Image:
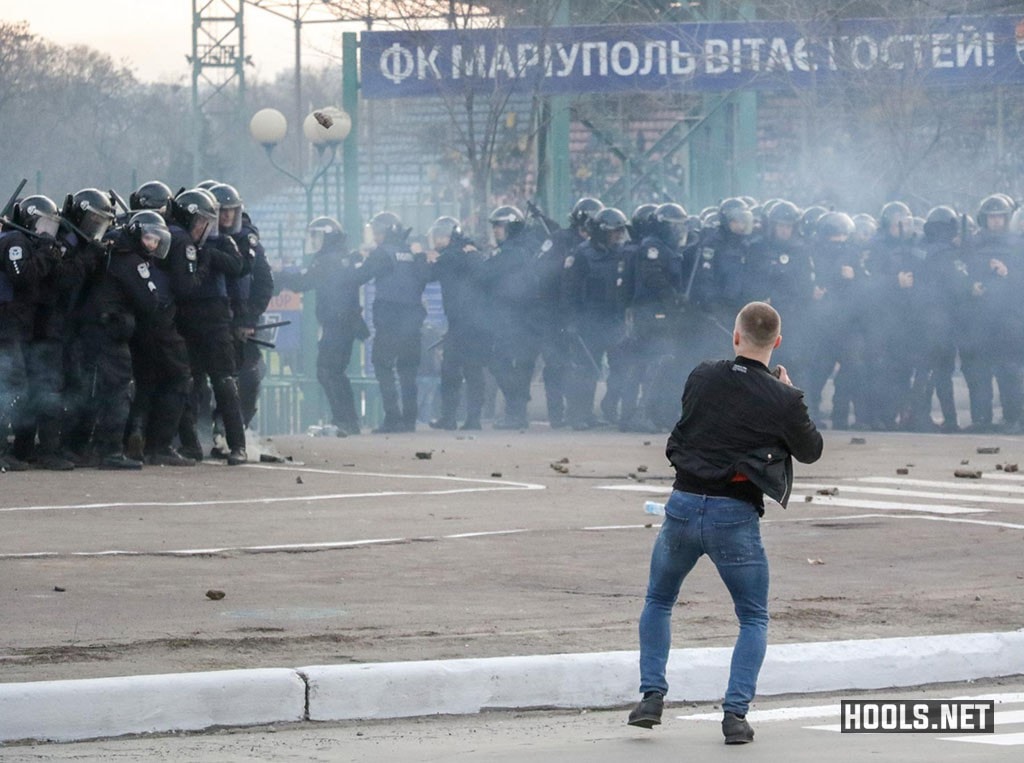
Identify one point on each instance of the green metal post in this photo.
(350, 154)
(745, 150)
(560, 201)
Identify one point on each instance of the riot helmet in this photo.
(1017, 222)
(809, 219)
(942, 224)
(152, 195)
(147, 230)
(736, 216)
(583, 210)
(835, 226)
(894, 219)
(866, 227)
(195, 210)
(91, 211)
(385, 225)
(207, 184)
(750, 201)
(507, 222)
(444, 230)
(670, 223)
(641, 220)
(992, 209)
(782, 220)
(39, 214)
(608, 228)
(325, 233)
(229, 218)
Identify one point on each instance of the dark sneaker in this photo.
(169, 457)
(736, 729)
(9, 463)
(196, 454)
(119, 461)
(448, 424)
(135, 445)
(220, 453)
(54, 463)
(647, 713)
(237, 457)
(512, 423)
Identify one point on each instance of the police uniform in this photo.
(399, 277)
(467, 343)
(334, 274)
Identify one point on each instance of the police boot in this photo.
(237, 457)
(168, 456)
(119, 461)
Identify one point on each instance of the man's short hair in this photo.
(759, 324)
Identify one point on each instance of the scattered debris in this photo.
(424, 455)
(969, 474)
(59, 589)
(214, 595)
(647, 442)
(1011, 468)
(808, 498)
(563, 460)
(648, 525)
(999, 467)
(977, 598)
(560, 467)
(965, 462)
(988, 451)
(496, 474)
(903, 471)
(828, 491)
(815, 561)
(298, 480)
(642, 468)
(858, 441)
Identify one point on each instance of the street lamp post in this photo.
(326, 129)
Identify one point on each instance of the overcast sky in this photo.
(154, 36)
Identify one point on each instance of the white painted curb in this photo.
(65, 711)
(87, 709)
(609, 679)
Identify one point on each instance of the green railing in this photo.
(292, 404)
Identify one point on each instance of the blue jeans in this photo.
(729, 532)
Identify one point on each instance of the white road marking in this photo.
(487, 487)
(1003, 740)
(968, 484)
(856, 503)
(777, 714)
(985, 522)
(636, 488)
(844, 489)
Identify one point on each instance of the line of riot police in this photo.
(112, 325)
(884, 307)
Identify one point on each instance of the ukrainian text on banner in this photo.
(964, 50)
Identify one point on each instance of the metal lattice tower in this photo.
(218, 73)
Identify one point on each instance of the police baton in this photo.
(9, 206)
(119, 201)
(277, 325)
(586, 351)
(8, 223)
(438, 343)
(260, 342)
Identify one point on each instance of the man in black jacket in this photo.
(740, 429)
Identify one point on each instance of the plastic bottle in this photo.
(653, 507)
(314, 431)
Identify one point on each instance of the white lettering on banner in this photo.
(683, 61)
(754, 44)
(568, 58)
(716, 56)
(527, 55)
(502, 62)
(990, 49)
(397, 63)
(655, 49)
(864, 53)
(885, 53)
(616, 59)
(427, 62)
(942, 51)
(602, 58)
(778, 56)
(802, 59)
(968, 48)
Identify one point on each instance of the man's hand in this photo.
(782, 375)
(819, 293)
(847, 272)
(906, 279)
(998, 267)
(432, 256)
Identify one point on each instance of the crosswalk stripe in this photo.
(1003, 740)
(828, 500)
(964, 485)
(843, 488)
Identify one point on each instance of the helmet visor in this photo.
(230, 220)
(315, 240)
(95, 225)
(47, 225)
(156, 240)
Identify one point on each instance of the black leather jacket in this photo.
(739, 419)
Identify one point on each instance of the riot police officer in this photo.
(510, 285)
(594, 311)
(399, 277)
(549, 264)
(199, 267)
(466, 345)
(334, 275)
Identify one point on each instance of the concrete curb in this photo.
(88, 709)
(66, 711)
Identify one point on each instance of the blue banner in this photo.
(706, 57)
